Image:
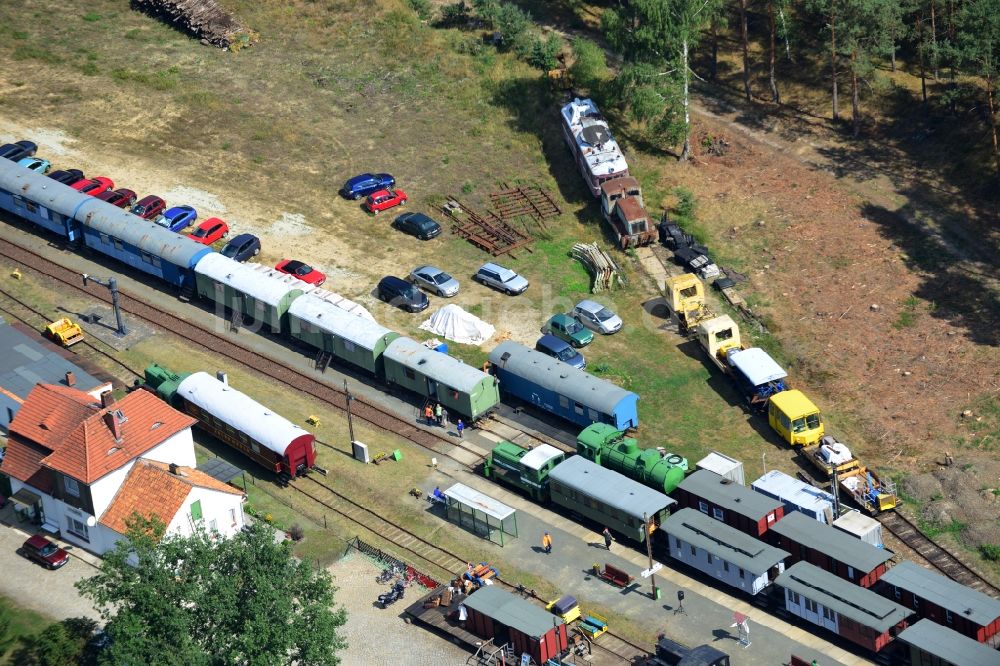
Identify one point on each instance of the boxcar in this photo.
(258, 292)
(141, 244)
(268, 439)
(608, 498)
(460, 388)
(567, 392)
(317, 320)
(42, 201)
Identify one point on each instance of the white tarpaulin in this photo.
(453, 323)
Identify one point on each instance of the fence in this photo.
(386, 559)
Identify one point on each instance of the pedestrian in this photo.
(547, 543)
(444, 417)
(429, 414)
(815, 663)
(460, 427)
(607, 538)
(438, 412)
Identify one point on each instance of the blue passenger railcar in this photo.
(42, 201)
(561, 389)
(141, 244)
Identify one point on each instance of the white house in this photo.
(723, 552)
(69, 458)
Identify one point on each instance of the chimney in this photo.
(112, 422)
(107, 399)
(70, 379)
(222, 377)
(173, 468)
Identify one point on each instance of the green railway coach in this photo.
(258, 293)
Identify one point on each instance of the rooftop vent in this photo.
(156, 425)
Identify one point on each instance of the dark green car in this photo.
(565, 327)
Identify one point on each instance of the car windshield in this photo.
(441, 278)
(412, 293)
(573, 326)
(302, 269)
(46, 550)
(200, 232)
(566, 354)
(230, 251)
(604, 314)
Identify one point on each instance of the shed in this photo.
(723, 552)
(729, 502)
(944, 601)
(318, 320)
(934, 645)
(480, 514)
(796, 495)
(853, 612)
(830, 549)
(861, 526)
(41, 200)
(258, 292)
(506, 618)
(558, 388)
(724, 466)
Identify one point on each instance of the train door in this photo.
(432, 387)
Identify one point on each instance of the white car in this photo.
(503, 279)
(596, 317)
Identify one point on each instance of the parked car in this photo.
(498, 277)
(178, 218)
(557, 348)
(94, 186)
(43, 551)
(18, 151)
(384, 200)
(417, 224)
(242, 247)
(595, 316)
(35, 164)
(123, 198)
(435, 280)
(210, 231)
(149, 207)
(366, 183)
(67, 177)
(569, 329)
(302, 271)
(401, 294)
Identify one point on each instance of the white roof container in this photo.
(756, 365)
(537, 457)
(861, 526)
(724, 466)
(240, 411)
(263, 283)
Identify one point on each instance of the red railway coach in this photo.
(731, 503)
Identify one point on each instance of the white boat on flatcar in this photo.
(597, 153)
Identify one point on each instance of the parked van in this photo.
(555, 347)
(402, 294)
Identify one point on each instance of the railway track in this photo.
(941, 559)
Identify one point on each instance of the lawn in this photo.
(16, 623)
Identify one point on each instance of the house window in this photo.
(718, 514)
(71, 486)
(703, 507)
(77, 528)
(232, 517)
(213, 526)
(811, 606)
(196, 510)
(948, 617)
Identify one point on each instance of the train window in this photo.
(157, 262)
(348, 346)
(31, 206)
(146, 258)
(725, 566)
(703, 507)
(230, 429)
(119, 245)
(742, 573)
(410, 374)
(793, 597)
(694, 551)
(709, 557)
(255, 447)
(105, 239)
(850, 572)
(948, 617)
(578, 408)
(244, 438)
(564, 402)
(811, 606)
(594, 415)
(259, 307)
(18, 201)
(897, 592)
(827, 613)
(770, 517)
(718, 514)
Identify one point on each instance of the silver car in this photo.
(596, 317)
(504, 279)
(434, 280)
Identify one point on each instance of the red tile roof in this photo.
(23, 461)
(82, 445)
(152, 489)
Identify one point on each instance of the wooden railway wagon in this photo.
(259, 293)
(723, 552)
(608, 498)
(852, 612)
(927, 643)
(557, 388)
(271, 441)
(462, 390)
(318, 320)
(733, 504)
(510, 620)
(942, 600)
(829, 549)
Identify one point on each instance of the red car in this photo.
(94, 186)
(210, 231)
(122, 198)
(149, 207)
(302, 271)
(384, 200)
(43, 551)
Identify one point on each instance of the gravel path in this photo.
(377, 636)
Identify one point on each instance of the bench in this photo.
(481, 573)
(613, 575)
(593, 625)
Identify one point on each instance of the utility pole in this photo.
(649, 552)
(111, 284)
(350, 418)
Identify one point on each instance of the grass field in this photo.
(18, 623)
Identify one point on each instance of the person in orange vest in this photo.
(429, 414)
(547, 543)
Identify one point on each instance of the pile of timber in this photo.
(202, 18)
(605, 270)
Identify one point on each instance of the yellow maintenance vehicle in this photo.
(794, 416)
(685, 295)
(860, 483)
(64, 332)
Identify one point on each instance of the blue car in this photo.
(558, 348)
(16, 151)
(35, 164)
(178, 218)
(365, 184)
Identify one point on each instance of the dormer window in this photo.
(71, 486)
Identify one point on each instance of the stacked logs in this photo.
(203, 19)
(605, 271)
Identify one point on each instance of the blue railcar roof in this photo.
(609, 487)
(41, 189)
(554, 375)
(146, 235)
(434, 364)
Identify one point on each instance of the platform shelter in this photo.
(480, 514)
